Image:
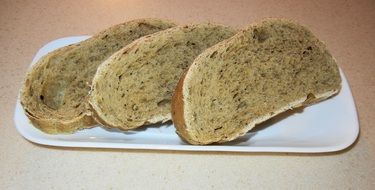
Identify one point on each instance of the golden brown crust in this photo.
(177, 107)
(178, 111)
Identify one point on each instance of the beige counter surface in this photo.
(347, 27)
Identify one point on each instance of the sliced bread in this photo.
(134, 87)
(266, 69)
(54, 94)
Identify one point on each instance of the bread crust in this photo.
(177, 108)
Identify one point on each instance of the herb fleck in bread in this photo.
(54, 94)
(135, 86)
(264, 70)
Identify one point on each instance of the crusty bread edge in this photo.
(177, 108)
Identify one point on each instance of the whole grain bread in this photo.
(54, 94)
(134, 87)
(266, 69)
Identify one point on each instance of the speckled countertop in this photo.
(347, 27)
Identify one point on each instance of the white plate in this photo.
(328, 126)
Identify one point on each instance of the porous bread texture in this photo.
(264, 70)
(134, 87)
(54, 93)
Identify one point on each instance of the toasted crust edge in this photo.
(177, 107)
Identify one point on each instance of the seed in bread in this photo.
(54, 94)
(135, 86)
(264, 70)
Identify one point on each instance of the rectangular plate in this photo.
(328, 126)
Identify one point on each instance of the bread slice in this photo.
(54, 94)
(266, 69)
(134, 87)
